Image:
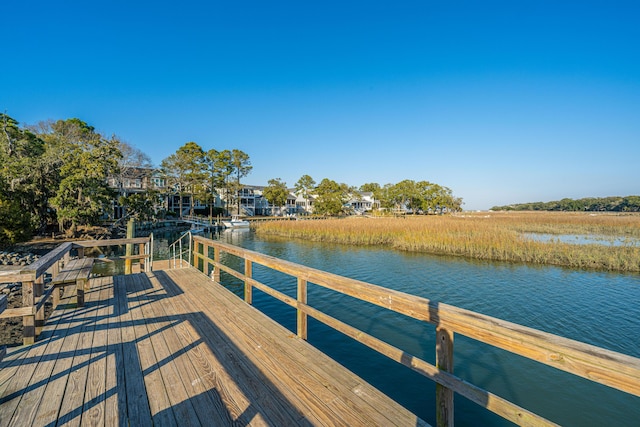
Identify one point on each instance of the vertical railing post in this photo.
(55, 269)
(38, 290)
(141, 251)
(444, 361)
(248, 289)
(301, 315)
(28, 321)
(131, 232)
(215, 273)
(149, 264)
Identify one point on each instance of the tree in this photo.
(185, 171)
(141, 205)
(276, 193)
(215, 176)
(241, 168)
(371, 187)
(304, 187)
(331, 197)
(14, 224)
(27, 178)
(88, 159)
(224, 166)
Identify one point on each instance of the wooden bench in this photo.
(76, 272)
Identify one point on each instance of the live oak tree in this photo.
(276, 192)
(436, 198)
(141, 206)
(23, 191)
(87, 160)
(417, 196)
(331, 197)
(371, 187)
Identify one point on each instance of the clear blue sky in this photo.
(501, 101)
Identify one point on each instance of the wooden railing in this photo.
(34, 292)
(599, 365)
(3, 307)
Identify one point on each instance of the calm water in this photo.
(594, 307)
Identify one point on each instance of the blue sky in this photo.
(501, 101)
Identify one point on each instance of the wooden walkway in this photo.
(173, 348)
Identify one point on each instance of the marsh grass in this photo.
(489, 236)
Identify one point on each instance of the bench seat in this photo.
(76, 272)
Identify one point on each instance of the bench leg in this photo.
(56, 296)
(80, 293)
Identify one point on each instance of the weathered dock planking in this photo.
(173, 348)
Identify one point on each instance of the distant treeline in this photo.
(600, 204)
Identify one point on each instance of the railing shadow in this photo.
(265, 401)
(144, 309)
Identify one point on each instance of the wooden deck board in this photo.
(137, 407)
(301, 367)
(285, 373)
(73, 394)
(161, 410)
(173, 348)
(181, 342)
(237, 380)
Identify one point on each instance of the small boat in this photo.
(235, 222)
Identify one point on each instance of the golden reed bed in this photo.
(499, 236)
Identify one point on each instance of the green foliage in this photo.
(331, 197)
(14, 224)
(602, 204)
(304, 186)
(24, 179)
(422, 196)
(88, 159)
(371, 187)
(141, 205)
(276, 193)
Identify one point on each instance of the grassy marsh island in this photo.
(498, 236)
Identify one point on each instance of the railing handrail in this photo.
(600, 365)
(33, 273)
(175, 249)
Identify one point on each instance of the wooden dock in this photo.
(171, 347)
